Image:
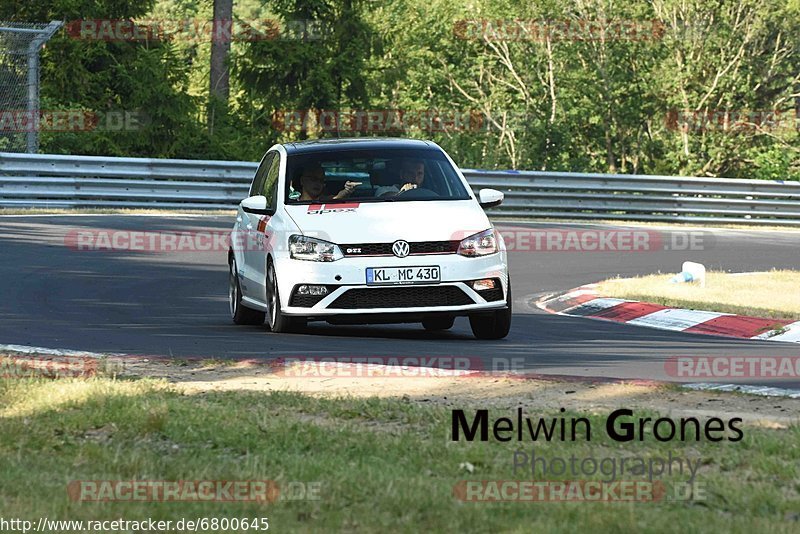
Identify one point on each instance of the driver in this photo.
(312, 185)
(412, 174)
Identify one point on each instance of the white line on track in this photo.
(764, 391)
(26, 349)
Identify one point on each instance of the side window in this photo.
(261, 174)
(270, 187)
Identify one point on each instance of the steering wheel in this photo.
(418, 192)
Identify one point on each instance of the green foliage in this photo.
(322, 69)
(571, 102)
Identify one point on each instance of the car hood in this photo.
(386, 222)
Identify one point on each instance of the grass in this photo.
(772, 295)
(381, 464)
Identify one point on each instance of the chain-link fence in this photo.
(20, 44)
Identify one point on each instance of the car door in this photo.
(246, 224)
(256, 226)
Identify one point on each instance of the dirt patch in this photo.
(420, 385)
(479, 390)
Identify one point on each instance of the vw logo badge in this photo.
(400, 249)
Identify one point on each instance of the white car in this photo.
(366, 230)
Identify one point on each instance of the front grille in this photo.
(492, 295)
(367, 249)
(385, 249)
(307, 301)
(434, 247)
(401, 297)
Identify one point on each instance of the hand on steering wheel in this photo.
(349, 187)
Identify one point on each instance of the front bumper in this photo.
(350, 295)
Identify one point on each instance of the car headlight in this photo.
(310, 249)
(480, 244)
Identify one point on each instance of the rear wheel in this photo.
(493, 325)
(277, 321)
(438, 323)
(240, 313)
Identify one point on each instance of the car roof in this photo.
(355, 143)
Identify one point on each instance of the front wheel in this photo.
(492, 325)
(276, 320)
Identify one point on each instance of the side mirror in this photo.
(257, 205)
(489, 198)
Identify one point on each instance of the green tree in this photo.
(101, 76)
(318, 63)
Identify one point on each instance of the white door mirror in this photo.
(256, 204)
(489, 198)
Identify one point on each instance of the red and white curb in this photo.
(586, 302)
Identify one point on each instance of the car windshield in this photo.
(393, 175)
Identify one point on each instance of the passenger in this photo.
(412, 175)
(312, 185)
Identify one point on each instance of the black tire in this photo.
(438, 323)
(493, 325)
(240, 313)
(276, 320)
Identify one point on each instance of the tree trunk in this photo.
(219, 89)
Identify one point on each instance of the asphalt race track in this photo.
(175, 304)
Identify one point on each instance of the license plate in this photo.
(402, 275)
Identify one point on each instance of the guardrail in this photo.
(54, 181)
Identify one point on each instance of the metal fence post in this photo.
(32, 135)
(27, 39)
